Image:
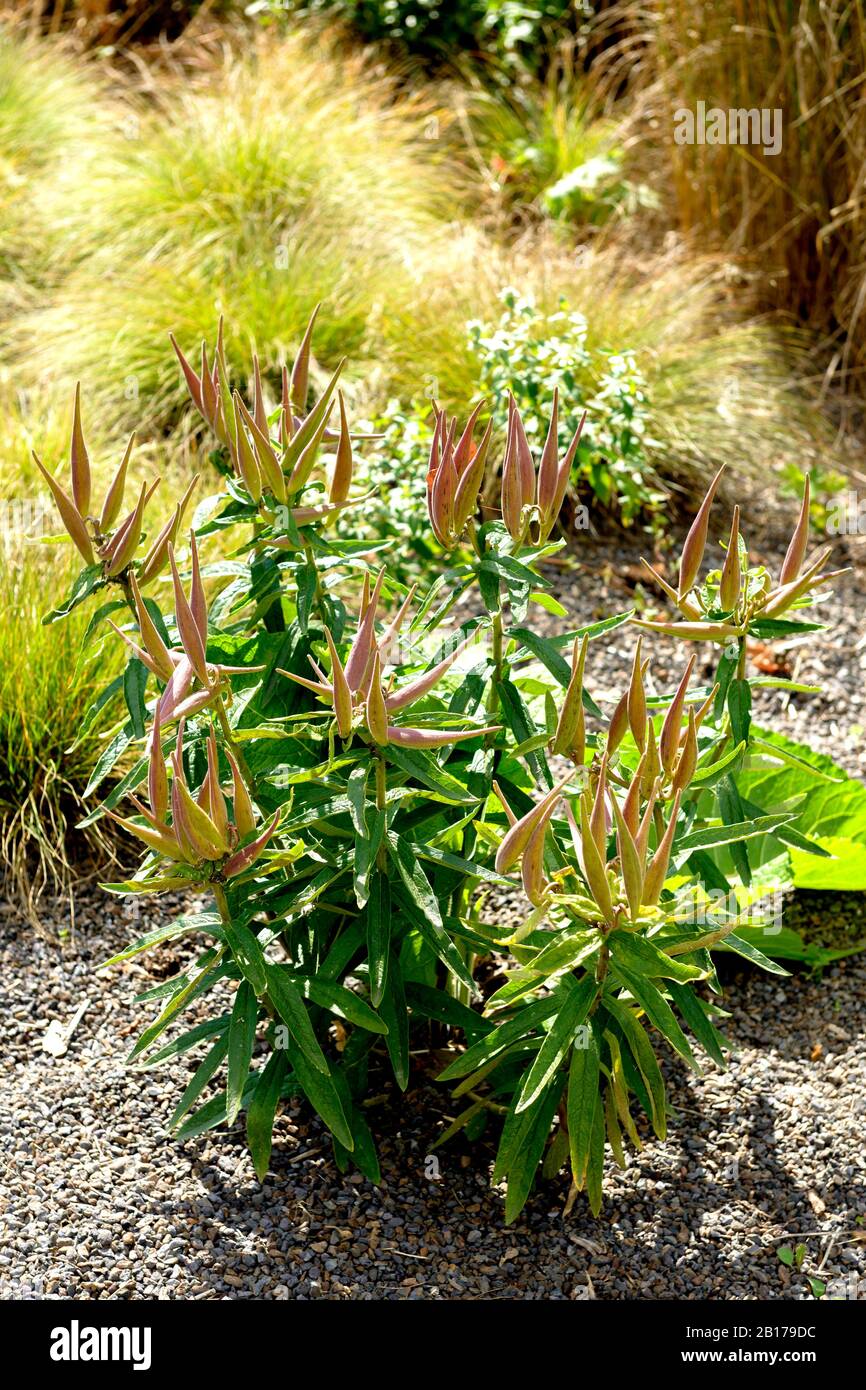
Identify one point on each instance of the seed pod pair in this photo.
(455, 473)
(569, 740)
(525, 840)
(356, 691)
(520, 488)
(117, 550)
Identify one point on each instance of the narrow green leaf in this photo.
(241, 1041)
(643, 957)
(247, 953)
(740, 709)
(392, 1009)
(583, 1077)
(697, 1021)
(595, 1166)
(134, 685)
(641, 1050)
(523, 1167)
(345, 1004)
(660, 1014)
(743, 948)
(322, 1094)
(262, 1110)
(514, 1030)
(378, 920)
(205, 1070)
(287, 1001)
(575, 1002)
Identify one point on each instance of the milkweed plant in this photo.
(350, 778)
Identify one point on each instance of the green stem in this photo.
(381, 805)
(496, 677)
(741, 659)
(319, 596)
(235, 747)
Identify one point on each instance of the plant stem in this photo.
(381, 805)
(321, 605)
(233, 744)
(741, 659)
(496, 677)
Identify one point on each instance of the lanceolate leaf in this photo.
(241, 1039)
(379, 934)
(289, 1004)
(392, 1010)
(644, 1058)
(643, 957)
(575, 1002)
(583, 1100)
(262, 1110)
(318, 1086)
(660, 1013)
(205, 1070)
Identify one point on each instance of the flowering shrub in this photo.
(343, 777)
(530, 354)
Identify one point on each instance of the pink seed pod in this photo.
(518, 836)
(729, 588)
(696, 541)
(79, 461)
(69, 515)
(796, 552)
(244, 858)
(114, 496)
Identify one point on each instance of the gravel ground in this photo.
(97, 1203)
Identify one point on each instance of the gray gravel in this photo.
(96, 1202)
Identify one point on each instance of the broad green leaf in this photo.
(843, 870)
